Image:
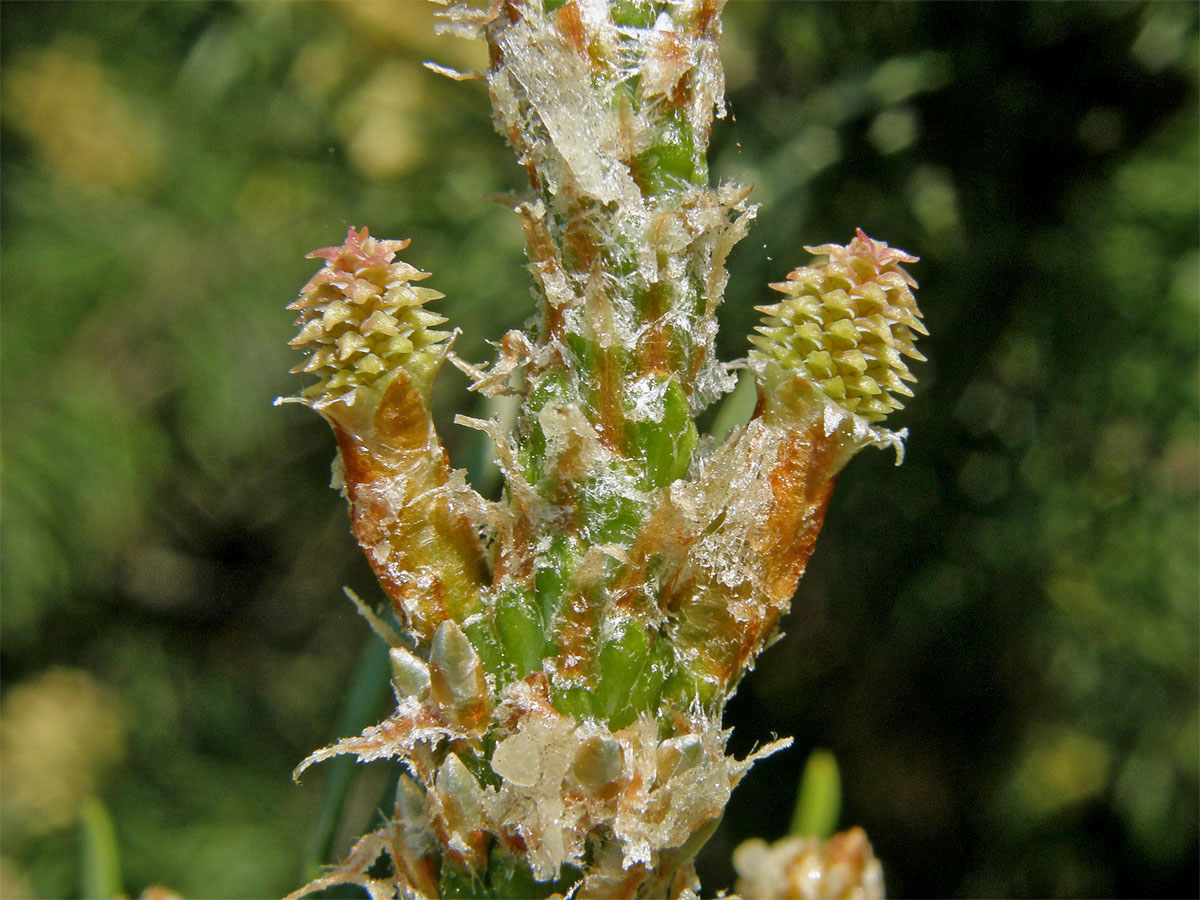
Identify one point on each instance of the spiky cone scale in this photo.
(375, 350)
(847, 325)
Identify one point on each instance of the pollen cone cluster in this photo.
(361, 318)
(847, 324)
(562, 653)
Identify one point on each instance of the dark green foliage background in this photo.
(998, 640)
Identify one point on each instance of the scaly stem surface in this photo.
(567, 651)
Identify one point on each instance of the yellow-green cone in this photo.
(847, 324)
(361, 318)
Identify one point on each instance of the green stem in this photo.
(101, 875)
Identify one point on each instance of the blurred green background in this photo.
(999, 640)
